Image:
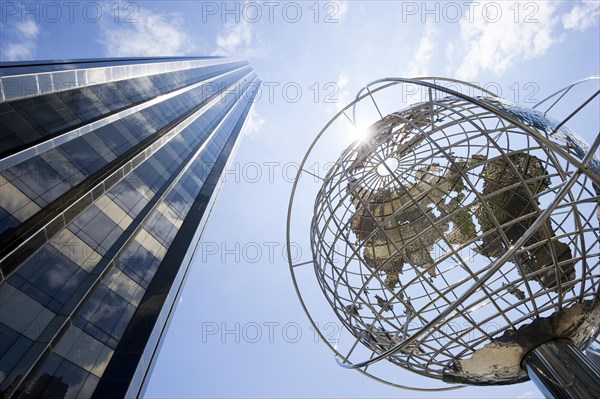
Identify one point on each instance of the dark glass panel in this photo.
(111, 95)
(138, 126)
(105, 309)
(178, 203)
(7, 220)
(101, 231)
(138, 264)
(166, 159)
(42, 114)
(43, 282)
(83, 155)
(12, 348)
(113, 136)
(84, 218)
(59, 378)
(127, 197)
(160, 227)
(36, 178)
(148, 174)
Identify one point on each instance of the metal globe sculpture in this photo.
(461, 233)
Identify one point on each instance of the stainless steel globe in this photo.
(459, 234)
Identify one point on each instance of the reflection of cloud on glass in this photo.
(75, 249)
(128, 197)
(138, 263)
(106, 314)
(88, 352)
(123, 285)
(60, 277)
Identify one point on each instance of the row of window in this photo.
(27, 120)
(75, 252)
(109, 310)
(46, 177)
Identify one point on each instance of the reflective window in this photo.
(83, 155)
(149, 175)
(84, 351)
(37, 180)
(51, 286)
(7, 220)
(128, 197)
(100, 232)
(12, 348)
(178, 203)
(115, 136)
(65, 167)
(21, 313)
(108, 311)
(138, 263)
(59, 378)
(160, 227)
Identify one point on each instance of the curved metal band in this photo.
(567, 185)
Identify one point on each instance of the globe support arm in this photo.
(560, 370)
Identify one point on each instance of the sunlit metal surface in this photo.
(458, 235)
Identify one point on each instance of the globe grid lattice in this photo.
(458, 230)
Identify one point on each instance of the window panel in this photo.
(16, 202)
(138, 263)
(21, 313)
(65, 167)
(124, 286)
(100, 232)
(112, 136)
(114, 211)
(109, 309)
(148, 174)
(42, 115)
(75, 249)
(83, 350)
(36, 178)
(160, 228)
(7, 221)
(100, 147)
(83, 155)
(13, 346)
(61, 379)
(127, 197)
(84, 218)
(58, 282)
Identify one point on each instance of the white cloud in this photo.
(238, 40)
(22, 38)
(343, 96)
(254, 123)
(343, 80)
(494, 45)
(583, 15)
(237, 37)
(341, 11)
(422, 59)
(153, 34)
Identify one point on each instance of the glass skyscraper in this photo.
(109, 168)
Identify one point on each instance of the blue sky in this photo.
(313, 57)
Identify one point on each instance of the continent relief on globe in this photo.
(509, 194)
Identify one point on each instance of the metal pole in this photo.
(560, 370)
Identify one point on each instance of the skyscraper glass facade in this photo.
(108, 172)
